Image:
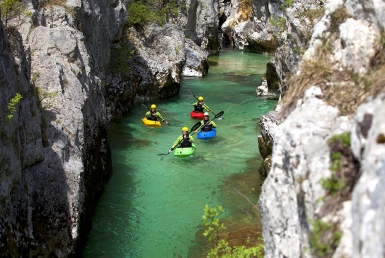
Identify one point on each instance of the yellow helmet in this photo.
(153, 106)
(200, 98)
(185, 129)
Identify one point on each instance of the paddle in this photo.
(216, 116)
(219, 118)
(164, 121)
(196, 126)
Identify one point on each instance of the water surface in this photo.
(153, 205)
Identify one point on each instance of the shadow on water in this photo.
(153, 205)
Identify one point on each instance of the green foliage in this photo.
(338, 17)
(43, 95)
(331, 184)
(9, 9)
(324, 238)
(12, 107)
(29, 14)
(382, 39)
(140, 13)
(336, 162)
(278, 23)
(221, 246)
(286, 4)
(363, 82)
(177, 49)
(312, 13)
(299, 50)
(119, 57)
(211, 223)
(34, 77)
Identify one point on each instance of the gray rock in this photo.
(368, 202)
(300, 156)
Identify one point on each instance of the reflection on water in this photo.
(152, 206)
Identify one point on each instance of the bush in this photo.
(324, 238)
(9, 9)
(139, 13)
(142, 13)
(12, 108)
(221, 246)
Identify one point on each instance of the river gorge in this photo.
(154, 204)
(73, 76)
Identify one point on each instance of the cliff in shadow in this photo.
(76, 65)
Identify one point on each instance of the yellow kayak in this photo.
(151, 123)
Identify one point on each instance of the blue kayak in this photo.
(207, 135)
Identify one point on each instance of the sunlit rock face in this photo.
(196, 60)
(281, 29)
(297, 196)
(368, 145)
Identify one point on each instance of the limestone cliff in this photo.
(321, 197)
(55, 157)
(54, 154)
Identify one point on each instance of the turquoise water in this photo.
(153, 204)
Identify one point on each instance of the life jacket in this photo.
(198, 107)
(153, 116)
(185, 142)
(207, 127)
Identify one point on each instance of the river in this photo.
(153, 204)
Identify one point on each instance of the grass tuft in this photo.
(343, 89)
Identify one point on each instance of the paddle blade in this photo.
(219, 114)
(162, 154)
(196, 126)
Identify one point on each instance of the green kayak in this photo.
(185, 152)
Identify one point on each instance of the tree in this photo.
(8, 9)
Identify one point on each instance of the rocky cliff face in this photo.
(157, 55)
(321, 196)
(54, 153)
(279, 28)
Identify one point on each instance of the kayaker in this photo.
(200, 107)
(206, 124)
(184, 140)
(153, 115)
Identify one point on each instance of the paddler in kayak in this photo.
(184, 140)
(206, 124)
(153, 115)
(199, 106)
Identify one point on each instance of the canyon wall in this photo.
(54, 152)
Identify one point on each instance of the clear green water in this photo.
(153, 205)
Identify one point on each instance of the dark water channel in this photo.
(153, 205)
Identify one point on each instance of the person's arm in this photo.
(206, 107)
(148, 114)
(176, 142)
(191, 138)
(213, 124)
(161, 117)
